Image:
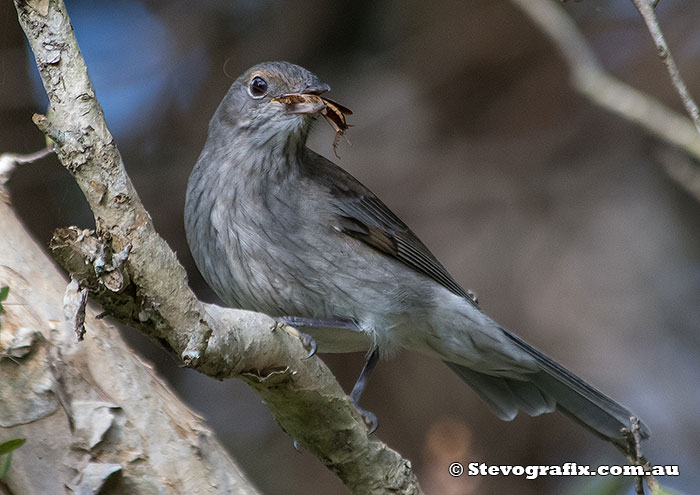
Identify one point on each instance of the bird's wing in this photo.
(363, 216)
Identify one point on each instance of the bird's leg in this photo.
(292, 324)
(369, 417)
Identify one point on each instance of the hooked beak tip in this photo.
(316, 89)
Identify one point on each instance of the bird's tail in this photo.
(552, 387)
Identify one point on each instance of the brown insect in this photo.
(333, 112)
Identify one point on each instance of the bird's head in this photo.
(272, 101)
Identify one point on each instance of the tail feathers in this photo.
(553, 386)
(506, 396)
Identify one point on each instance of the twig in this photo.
(636, 446)
(590, 78)
(646, 8)
(634, 455)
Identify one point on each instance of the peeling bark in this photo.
(92, 412)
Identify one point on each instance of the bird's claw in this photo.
(309, 343)
(307, 340)
(370, 420)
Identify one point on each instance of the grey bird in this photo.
(277, 228)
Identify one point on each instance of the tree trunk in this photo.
(94, 415)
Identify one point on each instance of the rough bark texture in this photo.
(94, 415)
(132, 272)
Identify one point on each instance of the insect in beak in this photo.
(302, 103)
(310, 102)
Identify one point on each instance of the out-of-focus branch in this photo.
(136, 277)
(646, 8)
(593, 81)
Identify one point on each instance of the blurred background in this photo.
(557, 214)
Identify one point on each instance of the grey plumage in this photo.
(277, 228)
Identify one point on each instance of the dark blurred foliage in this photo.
(556, 213)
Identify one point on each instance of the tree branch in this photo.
(646, 8)
(149, 288)
(590, 79)
(92, 413)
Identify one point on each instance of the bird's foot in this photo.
(369, 418)
(307, 340)
(293, 323)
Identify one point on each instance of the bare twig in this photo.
(646, 8)
(636, 457)
(590, 78)
(635, 440)
(637, 437)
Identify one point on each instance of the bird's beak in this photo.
(308, 105)
(307, 101)
(316, 89)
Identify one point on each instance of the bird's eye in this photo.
(258, 87)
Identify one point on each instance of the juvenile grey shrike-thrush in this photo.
(279, 229)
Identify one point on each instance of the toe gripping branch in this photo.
(292, 323)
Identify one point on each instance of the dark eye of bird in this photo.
(258, 87)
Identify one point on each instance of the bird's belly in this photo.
(276, 276)
(287, 283)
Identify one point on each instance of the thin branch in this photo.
(590, 78)
(646, 8)
(636, 457)
(148, 289)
